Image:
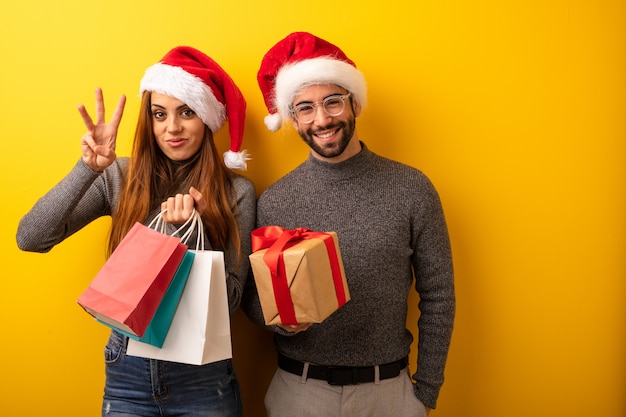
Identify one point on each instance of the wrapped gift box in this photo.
(298, 273)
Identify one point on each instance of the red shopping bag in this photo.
(128, 289)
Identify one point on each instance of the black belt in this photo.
(342, 375)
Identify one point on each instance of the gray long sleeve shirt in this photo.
(84, 195)
(391, 229)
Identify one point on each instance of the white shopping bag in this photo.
(200, 331)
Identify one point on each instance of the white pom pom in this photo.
(236, 160)
(273, 122)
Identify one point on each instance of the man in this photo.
(390, 227)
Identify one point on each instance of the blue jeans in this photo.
(147, 387)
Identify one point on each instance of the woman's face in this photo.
(178, 130)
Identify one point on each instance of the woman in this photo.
(174, 165)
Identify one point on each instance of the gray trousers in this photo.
(290, 395)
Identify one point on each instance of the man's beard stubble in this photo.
(335, 149)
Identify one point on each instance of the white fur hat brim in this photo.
(191, 90)
(291, 78)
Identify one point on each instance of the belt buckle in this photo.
(340, 375)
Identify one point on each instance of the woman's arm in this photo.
(237, 269)
(81, 197)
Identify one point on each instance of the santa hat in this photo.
(299, 60)
(198, 81)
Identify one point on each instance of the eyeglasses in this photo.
(332, 105)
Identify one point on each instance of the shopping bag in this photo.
(129, 287)
(160, 324)
(200, 331)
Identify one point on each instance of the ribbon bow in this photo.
(276, 239)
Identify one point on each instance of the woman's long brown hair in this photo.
(151, 178)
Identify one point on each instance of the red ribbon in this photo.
(277, 239)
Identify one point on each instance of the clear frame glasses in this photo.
(333, 106)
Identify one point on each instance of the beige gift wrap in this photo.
(298, 273)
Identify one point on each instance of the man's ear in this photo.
(356, 108)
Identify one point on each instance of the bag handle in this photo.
(194, 222)
(157, 223)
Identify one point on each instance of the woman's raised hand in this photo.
(98, 144)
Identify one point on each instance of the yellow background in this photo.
(514, 109)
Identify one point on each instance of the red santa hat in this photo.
(299, 60)
(198, 81)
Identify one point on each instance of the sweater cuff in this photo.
(426, 394)
(83, 166)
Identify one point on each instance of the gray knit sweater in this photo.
(390, 224)
(83, 196)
